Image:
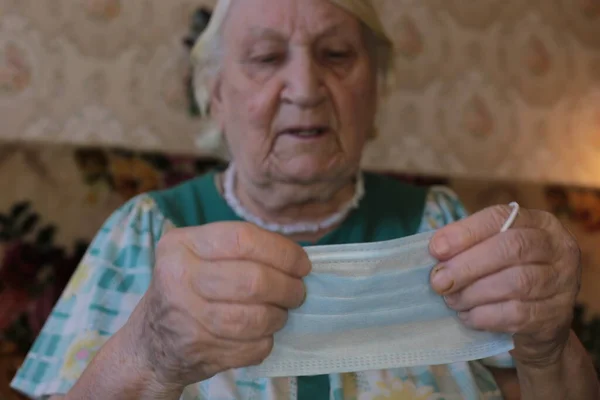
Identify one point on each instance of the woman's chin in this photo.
(309, 169)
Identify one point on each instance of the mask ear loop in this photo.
(511, 218)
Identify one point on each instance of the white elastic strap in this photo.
(511, 218)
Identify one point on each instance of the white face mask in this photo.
(371, 307)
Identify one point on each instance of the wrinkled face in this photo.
(296, 96)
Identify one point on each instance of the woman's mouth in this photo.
(306, 133)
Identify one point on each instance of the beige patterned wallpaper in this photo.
(502, 89)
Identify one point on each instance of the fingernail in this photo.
(441, 280)
(305, 293)
(449, 300)
(463, 315)
(440, 246)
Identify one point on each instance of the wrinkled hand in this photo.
(523, 281)
(218, 294)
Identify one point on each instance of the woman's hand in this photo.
(218, 294)
(523, 281)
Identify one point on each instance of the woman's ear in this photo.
(216, 100)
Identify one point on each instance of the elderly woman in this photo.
(182, 290)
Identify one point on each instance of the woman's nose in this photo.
(303, 83)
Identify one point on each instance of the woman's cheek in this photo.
(365, 104)
(263, 104)
(356, 108)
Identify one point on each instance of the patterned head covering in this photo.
(201, 53)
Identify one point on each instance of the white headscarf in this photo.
(211, 140)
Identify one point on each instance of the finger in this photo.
(227, 354)
(240, 240)
(461, 235)
(242, 321)
(512, 316)
(248, 355)
(514, 247)
(248, 282)
(524, 283)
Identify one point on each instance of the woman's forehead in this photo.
(285, 18)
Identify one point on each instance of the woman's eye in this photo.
(338, 55)
(267, 59)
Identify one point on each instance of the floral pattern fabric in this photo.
(42, 243)
(115, 273)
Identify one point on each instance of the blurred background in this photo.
(499, 99)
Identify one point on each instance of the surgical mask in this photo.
(371, 307)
